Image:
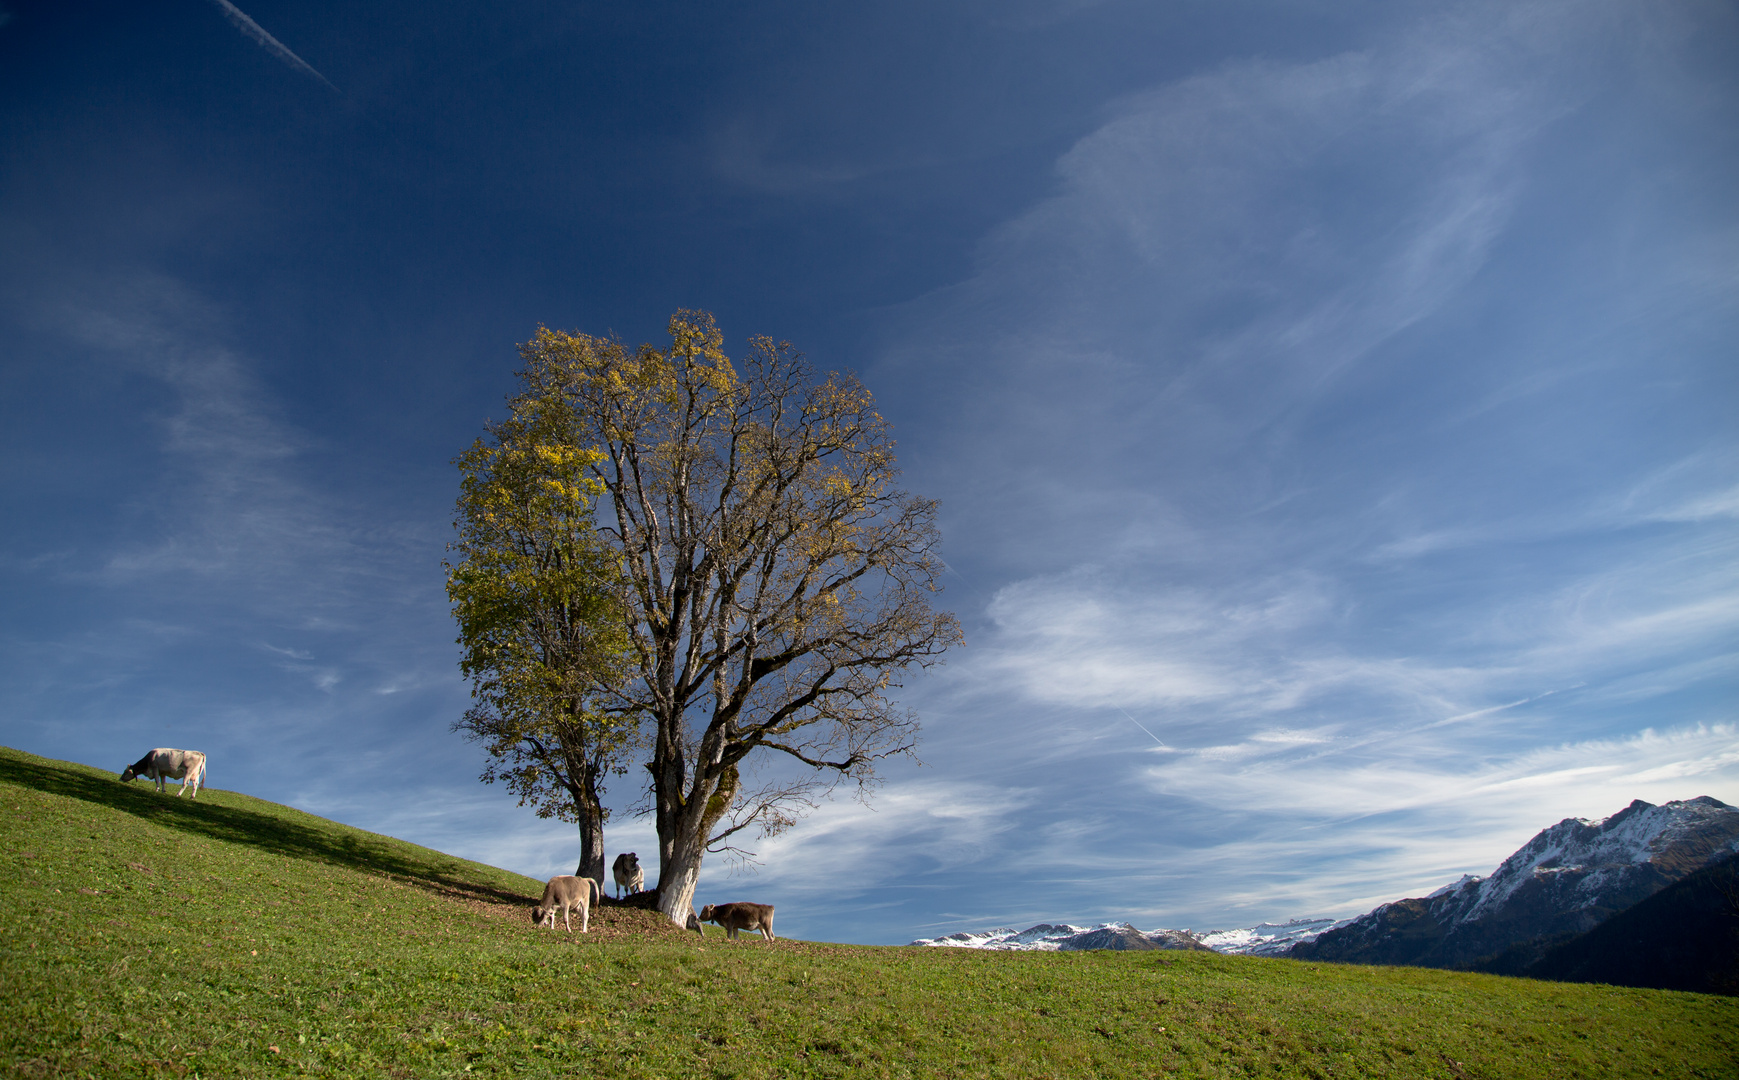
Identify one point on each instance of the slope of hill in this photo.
(1565, 881)
(150, 937)
(1685, 937)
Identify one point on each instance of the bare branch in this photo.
(775, 580)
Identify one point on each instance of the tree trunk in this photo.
(667, 794)
(589, 804)
(679, 852)
(592, 849)
(709, 799)
(677, 878)
(669, 770)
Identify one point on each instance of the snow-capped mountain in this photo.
(1059, 937)
(1269, 939)
(1265, 939)
(1565, 881)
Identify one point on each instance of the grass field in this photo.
(149, 936)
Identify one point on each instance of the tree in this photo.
(536, 596)
(775, 581)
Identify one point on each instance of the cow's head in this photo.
(128, 774)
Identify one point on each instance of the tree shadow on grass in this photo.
(326, 842)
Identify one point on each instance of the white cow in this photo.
(187, 766)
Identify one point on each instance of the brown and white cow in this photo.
(629, 877)
(187, 766)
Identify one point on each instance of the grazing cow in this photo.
(626, 870)
(187, 766)
(569, 893)
(740, 916)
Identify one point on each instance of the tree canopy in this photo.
(536, 594)
(773, 580)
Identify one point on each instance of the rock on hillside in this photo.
(1565, 881)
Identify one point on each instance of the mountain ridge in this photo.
(1685, 937)
(1564, 882)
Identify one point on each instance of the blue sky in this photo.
(1333, 407)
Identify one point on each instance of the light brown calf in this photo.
(569, 893)
(740, 916)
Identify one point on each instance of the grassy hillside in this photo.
(231, 937)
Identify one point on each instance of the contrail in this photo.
(1142, 726)
(268, 42)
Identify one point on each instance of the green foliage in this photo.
(536, 596)
(150, 937)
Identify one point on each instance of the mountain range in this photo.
(1265, 939)
(1567, 880)
(1539, 913)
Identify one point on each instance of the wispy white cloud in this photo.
(1711, 506)
(1222, 254)
(746, 154)
(232, 502)
(910, 830)
(1696, 488)
(294, 654)
(266, 41)
(1413, 819)
(1283, 655)
(1324, 779)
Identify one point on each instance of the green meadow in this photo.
(153, 936)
